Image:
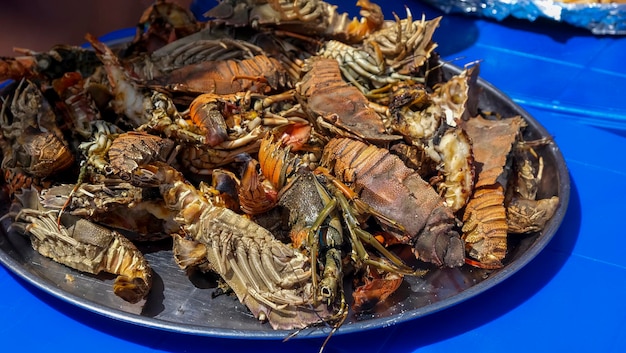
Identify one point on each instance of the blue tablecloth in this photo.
(569, 298)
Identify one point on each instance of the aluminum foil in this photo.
(601, 19)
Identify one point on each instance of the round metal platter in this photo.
(184, 304)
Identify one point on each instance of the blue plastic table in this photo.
(569, 298)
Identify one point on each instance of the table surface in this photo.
(570, 297)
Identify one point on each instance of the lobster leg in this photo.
(332, 275)
(358, 235)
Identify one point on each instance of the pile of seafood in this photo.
(282, 146)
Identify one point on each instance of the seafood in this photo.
(30, 138)
(268, 276)
(142, 108)
(184, 51)
(164, 118)
(525, 212)
(305, 201)
(235, 124)
(15, 179)
(373, 288)
(214, 44)
(85, 246)
(291, 153)
(403, 196)
(276, 163)
(492, 141)
(430, 123)
(485, 225)
(405, 45)
(202, 160)
(189, 254)
(258, 74)
(363, 67)
(354, 211)
(311, 17)
(139, 106)
(78, 104)
(162, 23)
(226, 184)
(96, 149)
(340, 106)
(132, 149)
(458, 97)
(40, 154)
(120, 154)
(116, 204)
(256, 195)
(318, 213)
(525, 216)
(29, 109)
(205, 112)
(49, 65)
(129, 99)
(419, 116)
(457, 165)
(386, 56)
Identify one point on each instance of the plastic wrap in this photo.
(601, 19)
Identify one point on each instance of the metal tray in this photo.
(184, 304)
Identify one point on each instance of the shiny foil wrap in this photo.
(599, 18)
